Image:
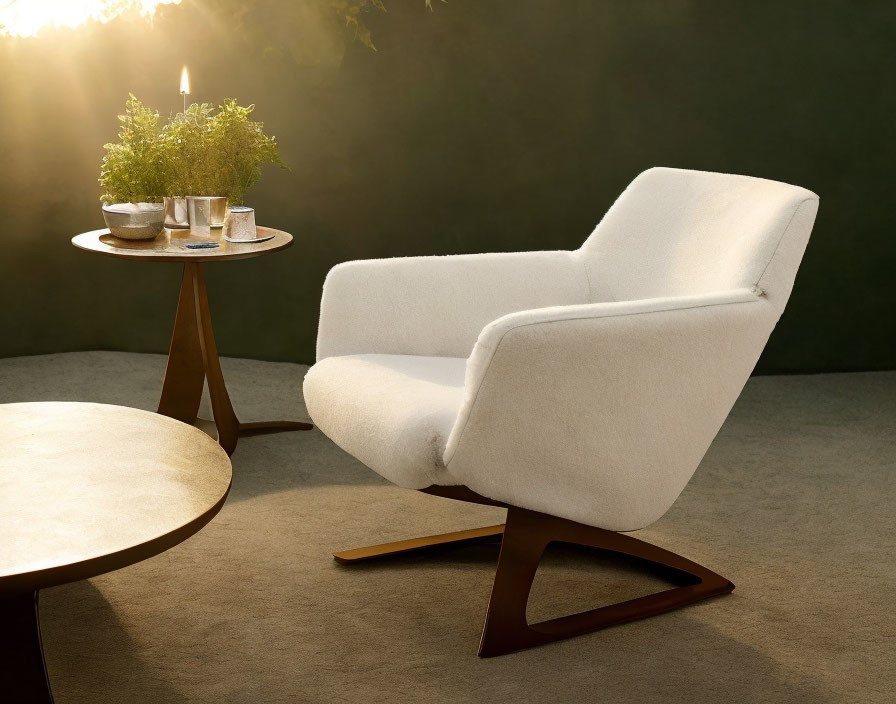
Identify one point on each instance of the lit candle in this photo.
(184, 85)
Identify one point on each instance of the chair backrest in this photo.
(676, 232)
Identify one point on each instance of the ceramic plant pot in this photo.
(176, 212)
(134, 221)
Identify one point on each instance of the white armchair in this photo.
(578, 389)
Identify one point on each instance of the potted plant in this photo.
(132, 175)
(202, 156)
(185, 146)
(215, 155)
(239, 148)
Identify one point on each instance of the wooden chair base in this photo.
(457, 538)
(524, 538)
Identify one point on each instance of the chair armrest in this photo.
(601, 413)
(438, 305)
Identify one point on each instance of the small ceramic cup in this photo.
(239, 225)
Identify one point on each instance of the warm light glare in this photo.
(25, 18)
(184, 82)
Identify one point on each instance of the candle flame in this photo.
(184, 81)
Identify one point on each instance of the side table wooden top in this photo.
(169, 245)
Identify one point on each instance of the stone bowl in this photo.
(134, 221)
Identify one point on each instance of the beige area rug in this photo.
(795, 503)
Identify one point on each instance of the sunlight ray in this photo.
(26, 18)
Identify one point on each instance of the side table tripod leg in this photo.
(225, 418)
(266, 427)
(185, 372)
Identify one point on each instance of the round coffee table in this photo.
(85, 489)
(193, 356)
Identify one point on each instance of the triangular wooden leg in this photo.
(225, 419)
(526, 535)
(185, 372)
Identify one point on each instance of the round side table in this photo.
(89, 488)
(193, 356)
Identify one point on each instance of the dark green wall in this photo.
(482, 126)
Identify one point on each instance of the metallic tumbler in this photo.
(206, 212)
(176, 212)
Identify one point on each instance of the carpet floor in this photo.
(795, 502)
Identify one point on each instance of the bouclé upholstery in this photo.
(587, 384)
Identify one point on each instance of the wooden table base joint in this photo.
(193, 362)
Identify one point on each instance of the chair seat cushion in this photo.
(392, 412)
